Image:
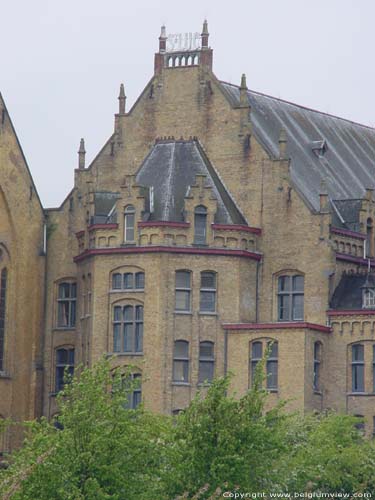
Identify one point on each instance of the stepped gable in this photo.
(321, 147)
(170, 169)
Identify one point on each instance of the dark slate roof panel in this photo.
(347, 166)
(104, 202)
(170, 168)
(348, 294)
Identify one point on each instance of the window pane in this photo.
(137, 398)
(182, 300)
(128, 280)
(284, 307)
(73, 290)
(139, 313)
(181, 371)
(139, 337)
(317, 350)
(273, 349)
(129, 227)
(72, 321)
(272, 374)
(297, 307)
(358, 352)
(208, 301)
(200, 228)
(253, 370)
(358, 382)
(117, 338)
(71, 357)
(181, 349)
(298, 283)
(182, 279)
(206, 350)
(62, 356)
(116, 281)
(63, 314)
(128, 337)
(316, 375)
(60, 370)
(128, 313)
(208, 280)
(64, 290)
(284, 283)
(256, 350)
(140, 280)
(117, 313)
(206, 371)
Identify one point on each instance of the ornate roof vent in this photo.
(319, 147)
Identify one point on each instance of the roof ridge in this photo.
(300, 106)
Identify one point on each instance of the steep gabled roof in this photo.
(320, 146)
(170, 169)
(13, 130)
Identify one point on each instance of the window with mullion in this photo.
(317, 361)
(3, 288)
(208, 292)
(183, 291)
(128, 329)
(200, 225)
(272, 365)
(64, 367)
(290, 298)
(66, 305)
(129, 224)
(256, 357)
(181, 361)
(206, 362)
(358, 368)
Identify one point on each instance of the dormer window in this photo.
(129, 224)
(368, 298)
(200, 225)
(319, 147)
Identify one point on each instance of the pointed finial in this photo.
(283, 140)
(122, 100)
(243, 81)
(244, 102)
(323, 186)
(323, 195)
(163, 39)
(204, 35)
(81, 154)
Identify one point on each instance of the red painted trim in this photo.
(277, 326)
(163, 223)
(352, 312)
(103, 226)
(356, 260)
(80, 233)
(237, 227)
(162, 249)
(347, 232)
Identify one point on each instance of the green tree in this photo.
(102, 452)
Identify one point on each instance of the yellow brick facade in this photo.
(283, 236)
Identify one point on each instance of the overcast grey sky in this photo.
(61, 64)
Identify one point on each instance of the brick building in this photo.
(215, 222)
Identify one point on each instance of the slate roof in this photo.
(170, 169)
(348, 294)
(348, 163)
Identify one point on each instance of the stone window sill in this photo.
(128, 290)
(125, 354)
(64, 329)
(188, 313)
(5, 375)
(371, 394)
(184, 384)
(207, 313)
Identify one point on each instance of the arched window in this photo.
(132, 383)
(183, 291)
(256, 357)
(66, 305)
(208, 292)
(64, 366)
(200, 225)
(128, 329)
(369, 238)
(206, 362)
(317, 362)
(368, 298)
(3, 295)
(181, 361)
(358, 368)
(272, 365)
(129, 224)
(290, 298)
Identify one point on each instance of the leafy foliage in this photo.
(219, 443)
